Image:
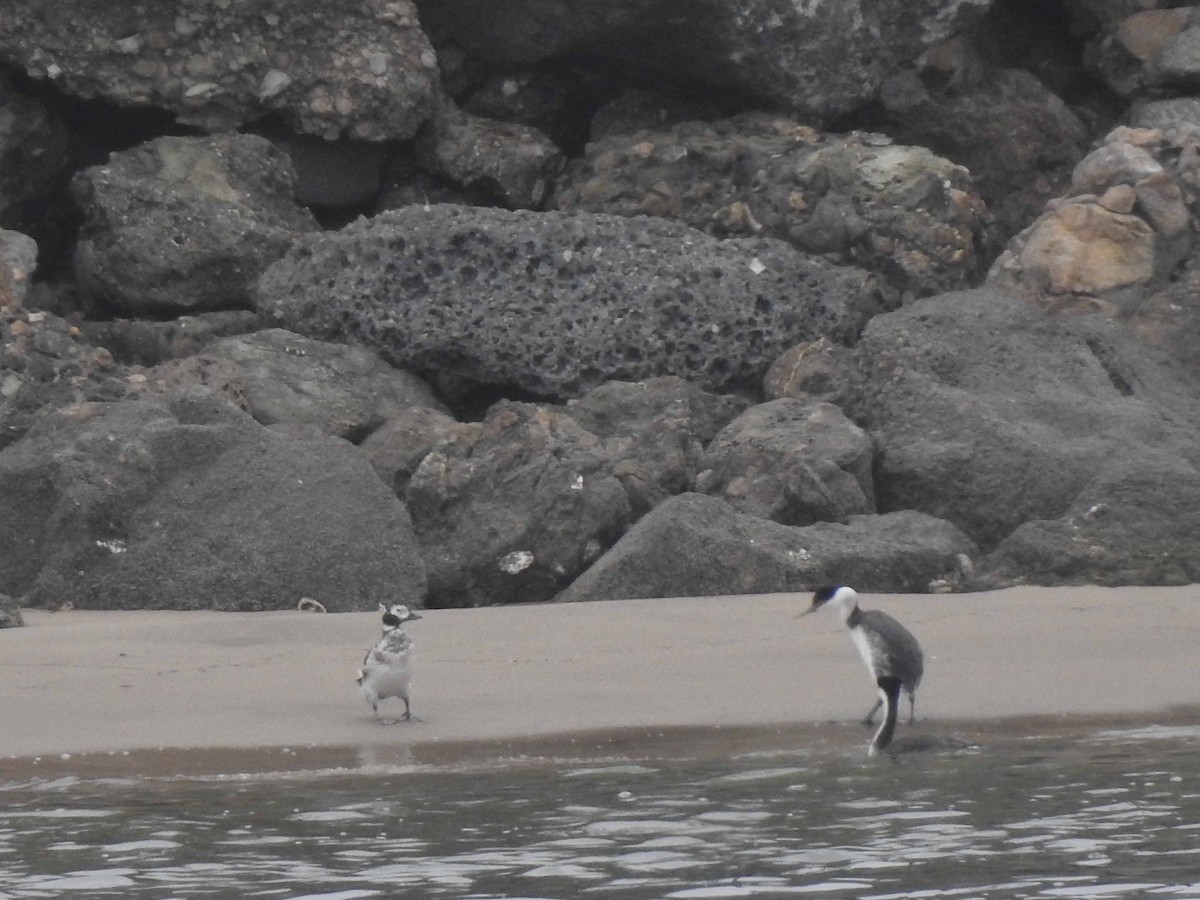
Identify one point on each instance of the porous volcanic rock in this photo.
(345, 391)
(355, 68)
(793, 461)
(511, 509)
(901, 212)
(991, 412)
(185, 224)
(820, 59)
(556, 303)
(695, 545)
(191, 504)
(654, 432)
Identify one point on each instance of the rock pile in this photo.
(455, 303)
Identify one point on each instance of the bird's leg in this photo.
(407, 711)
(912, 707)
(870, 719)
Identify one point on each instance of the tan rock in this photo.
(1083, 248)
(1147, 34)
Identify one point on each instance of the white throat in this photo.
(844, 601)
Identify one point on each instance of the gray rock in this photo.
(510, 510)
(555, 304)
(396, 447)
(1018, 140)
(45, 366)
(18, 260)
(353, 69)
(1149, 52)
(1178, 115)
(696, 545)
(346, 391)
(510, 163)
(821, 59)
(148, 342)
(190, 504)
(989, 412)
(10, 613)
(816, 370)
(901, 212)
(793, 461)
(181, 225)
(654, 432)
(1136, 524)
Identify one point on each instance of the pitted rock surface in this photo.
(556, 303)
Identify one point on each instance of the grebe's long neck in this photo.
(889, 693)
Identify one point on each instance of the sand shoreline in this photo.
(200, 685)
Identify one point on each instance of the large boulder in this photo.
(820, 59)
(356, 69)
(346, 391)
(556, 303)
(794, 461)
(183, 225)
(990, 412)
(511, 509)
(191, 504)
(901, 212)
(654, 432)
(696, 545)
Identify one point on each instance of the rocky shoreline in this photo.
(430, 304)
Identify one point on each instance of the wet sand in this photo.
(187, 689)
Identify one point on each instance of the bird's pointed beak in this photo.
(804, 612)
(411, 616)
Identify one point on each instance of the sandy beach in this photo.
(81, 682)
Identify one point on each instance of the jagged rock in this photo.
(191, 504)
(511, 163)
(357, 69)
(818, 59)
(1018, 140)
(554, 304)
(901, 212)
(396, 447)
(816, 370)
(1150, 50)
(990, 412)
(695, 545)
(793, 461)
(654, 432)
(1124, 222)
(181, 225)
(510, 510)
(345, 391)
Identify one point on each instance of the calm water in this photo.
(1102, 814)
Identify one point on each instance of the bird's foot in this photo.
(868, 722)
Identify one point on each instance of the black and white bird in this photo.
(891, 653)
(387, 667)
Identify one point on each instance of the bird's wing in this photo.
(897, 651)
